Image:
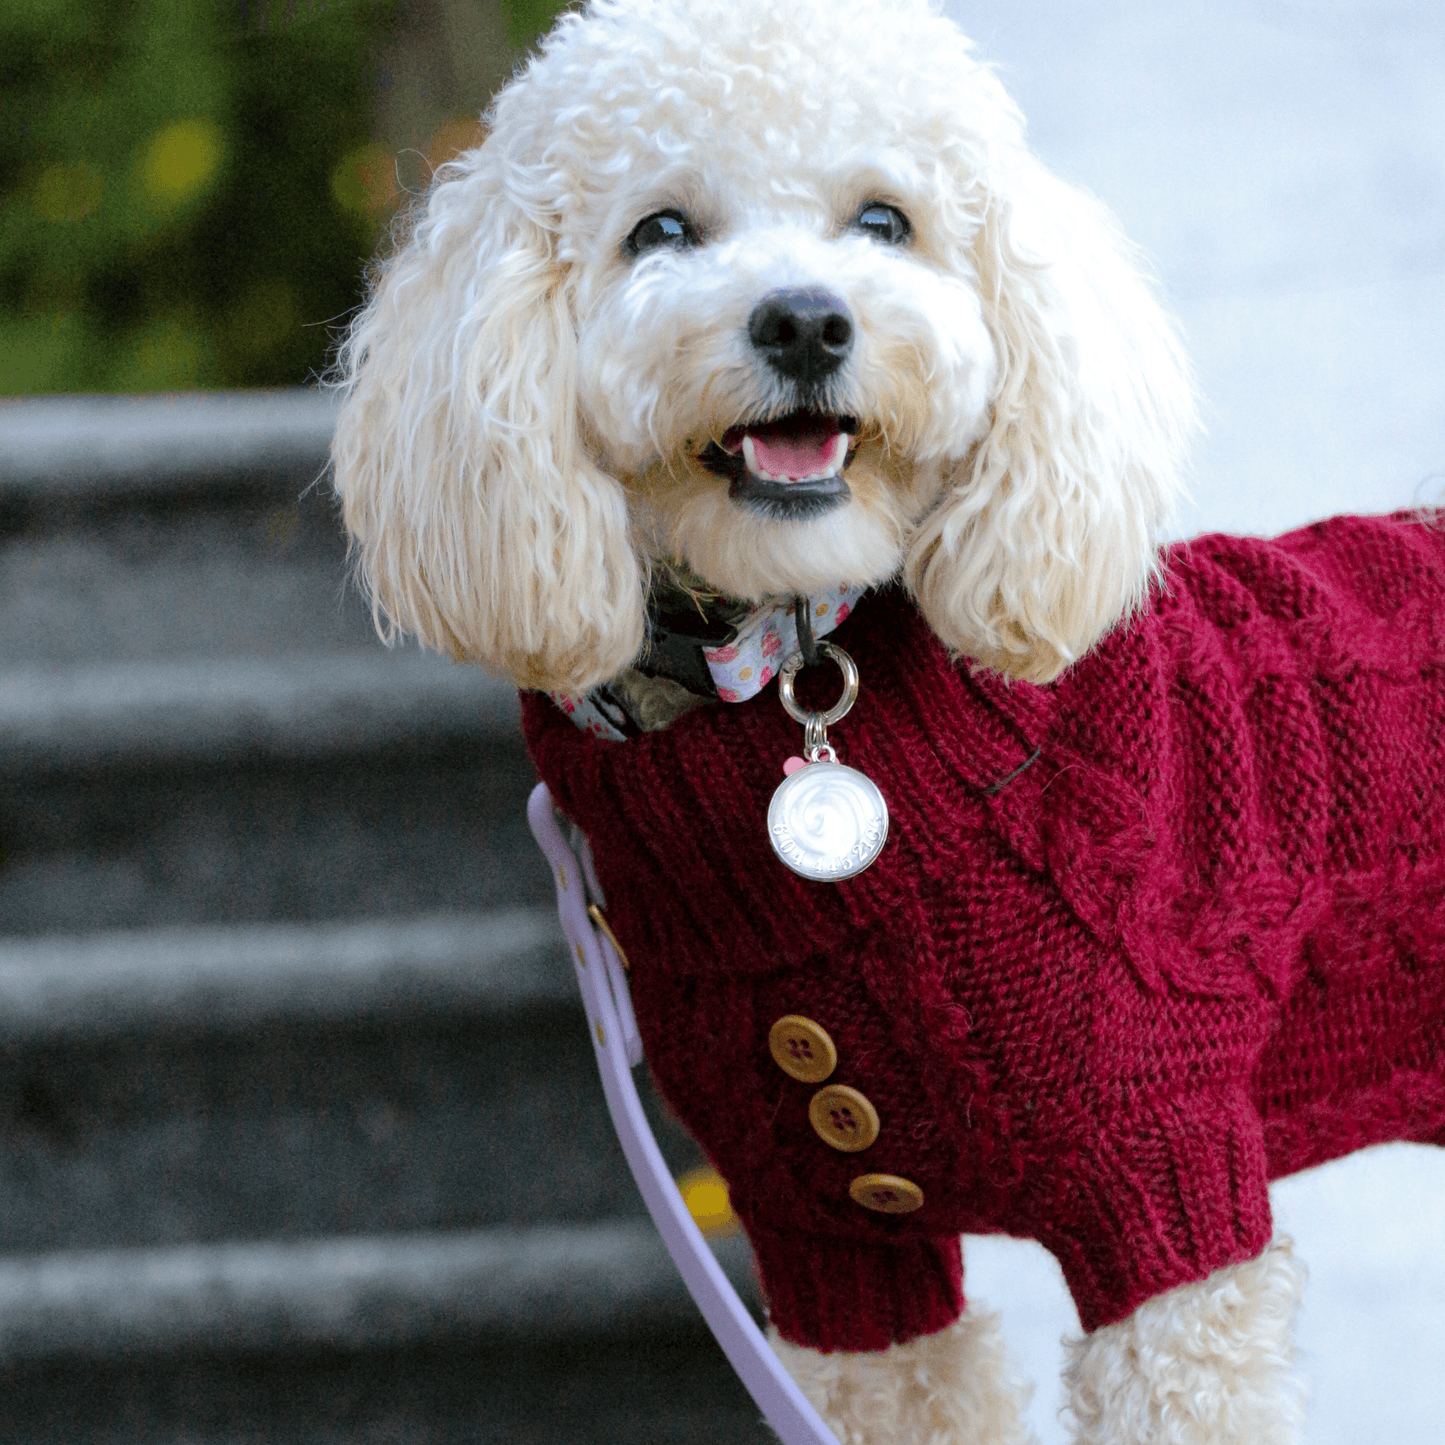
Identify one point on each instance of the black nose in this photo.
(804, 334)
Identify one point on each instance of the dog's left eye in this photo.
(670, 229)
(884, 223)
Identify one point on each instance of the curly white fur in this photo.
(524, 405)
(524, 401)
(948, 1388)
(1205, 1364)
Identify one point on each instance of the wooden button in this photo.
(887, 1193)
(843, 1118)
(802, 1049)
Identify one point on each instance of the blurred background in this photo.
(189, 191)
(300, 1137)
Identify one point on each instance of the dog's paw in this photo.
(950, 1388)
(1205, 1364)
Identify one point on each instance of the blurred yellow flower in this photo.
(180, 160)
(68, 192)
(706, 1197)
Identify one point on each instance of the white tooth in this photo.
(750, 456)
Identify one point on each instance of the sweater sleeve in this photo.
(841, 1294)
(1170, 1189)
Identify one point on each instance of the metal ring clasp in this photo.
(794, 665)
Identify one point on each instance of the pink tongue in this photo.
(793, 457)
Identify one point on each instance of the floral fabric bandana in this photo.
(740, 669)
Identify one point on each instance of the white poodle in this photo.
(744, 301)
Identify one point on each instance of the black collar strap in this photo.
(679, 625)
(711, 648)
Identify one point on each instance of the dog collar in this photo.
(720, 649)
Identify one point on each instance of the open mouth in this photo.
(790, 467)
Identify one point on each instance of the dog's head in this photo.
(775, 292)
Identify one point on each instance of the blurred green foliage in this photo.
(527, 19)
(189, 189)
(167, 217)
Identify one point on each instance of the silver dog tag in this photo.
(827, 821)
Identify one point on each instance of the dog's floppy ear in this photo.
(479, 522)
(1045, 537)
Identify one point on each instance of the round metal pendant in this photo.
(827, 821)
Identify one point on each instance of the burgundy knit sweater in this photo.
(1197, 945)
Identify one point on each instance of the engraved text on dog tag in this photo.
(827, 821)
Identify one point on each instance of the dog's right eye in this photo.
(670, 229)
(884, 223)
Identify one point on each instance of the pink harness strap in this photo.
(613, 1028)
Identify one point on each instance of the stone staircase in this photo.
(300, 1133)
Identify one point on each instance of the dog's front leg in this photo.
(949, 1388)
(1205, 1364)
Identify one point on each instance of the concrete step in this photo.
(433, 823)
(192, 1086)
(197, 724)
(498, 966)
(53, 446)
(224, 1089)
(542, 1336)
(162, 714)
(674, 1390)
(303, 1134)
(528, 1286)
(152, 528)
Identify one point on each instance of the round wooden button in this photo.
(843, 1118)
(802, 1049)
(887, 1193)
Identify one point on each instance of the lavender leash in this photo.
(613, 1027)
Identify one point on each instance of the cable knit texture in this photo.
(1198, 944)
